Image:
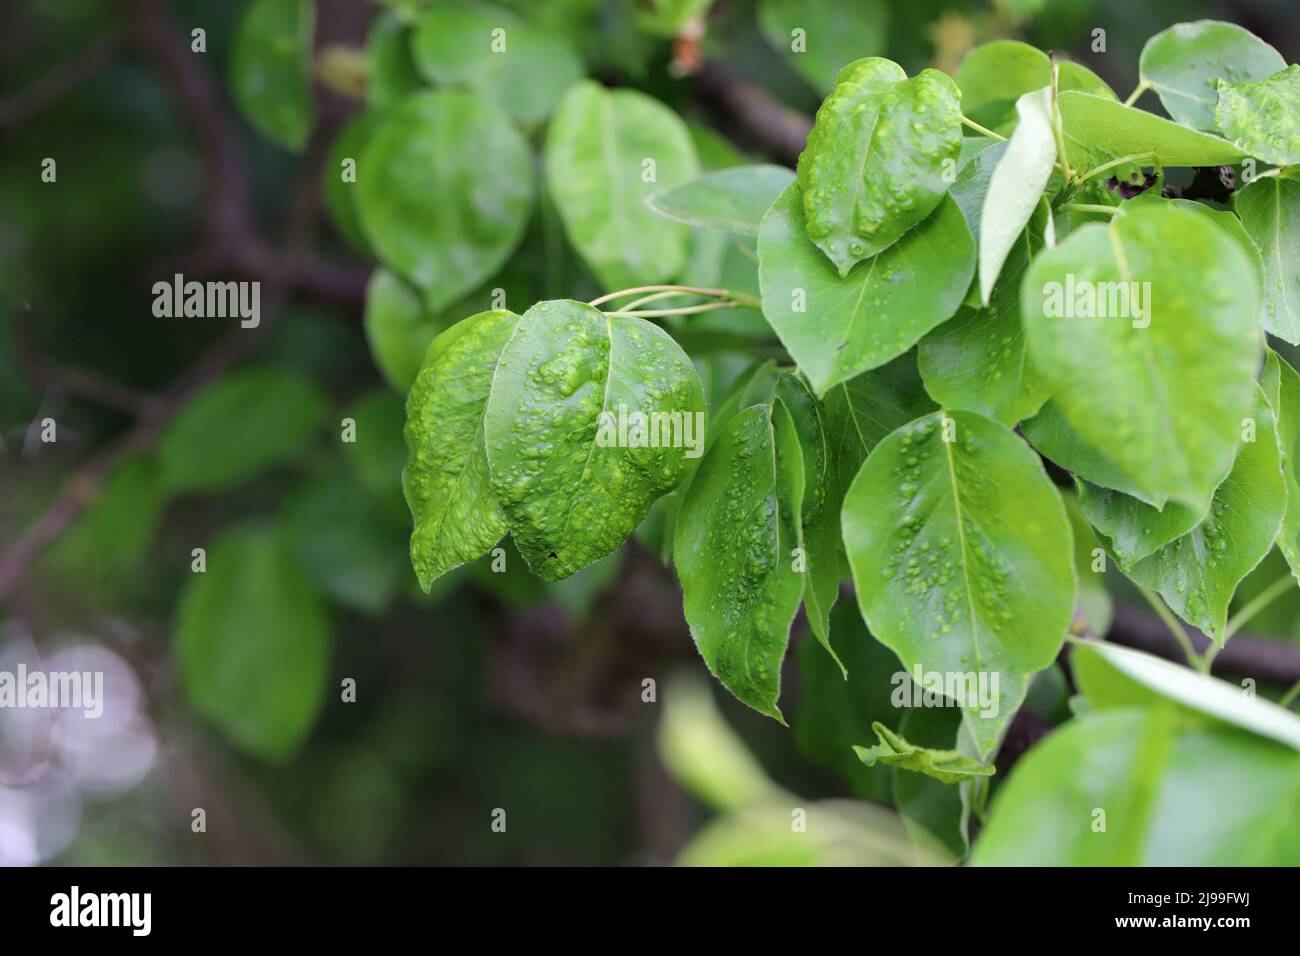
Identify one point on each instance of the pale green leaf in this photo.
(1098, 130)
(731, 200)
(1281, 384)
(946, 766)
(1270, 212)
(997, 74)
(1262, 118)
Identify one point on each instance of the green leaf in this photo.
(524, 68)
(1016, 185)
(253, 644)
(607, 151)
(377, 452)
(946, 766)
(340, 193)
(961, 555)
(1156, 784)
(1116, 677)
(244, 424)
(398, 328)
(876, 158)
(270, 69)
(392, 71)
(999, 73)
(1098, 130)
(732, 200)
(1270, 212)
(457, 516)
(830, 35)
(838, 327)
(1164, 387)
(1198, 573)
(1261, 117)
(732, 549)
(1281, 384)
(430, 205)
(573, 474)
(976, 361)
(1134, 528)
(1053, 438)
(1182, 62)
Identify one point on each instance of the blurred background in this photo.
(316, 707)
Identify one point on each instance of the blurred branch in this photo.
(751, 115)
(59, 82)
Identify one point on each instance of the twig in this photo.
(59, 82)
(751, 114)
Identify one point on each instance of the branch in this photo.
(751, 115)
(59, 82)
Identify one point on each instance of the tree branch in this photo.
(59, 82)
(751, 115)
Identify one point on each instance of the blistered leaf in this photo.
(876, 158)
(607, 151)
(1155, 785)
(946, 766)
(732, 550)
(1144, 328)
(731, 200)
(820, 39)
(590, 420)
(1182, 63)
(1016, 185)
(524, 68)
(270, 69)
(430, 205)
(1270, 212)
(456, 513)
(247, 422)
(253, 644)
(1198, 573)
(838, 327)
(1261, 117)
(1281, 385)
(976, 360)
(1098, 130)
(997, 74)
(398, 327)
(961, 556)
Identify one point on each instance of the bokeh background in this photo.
(496, 691)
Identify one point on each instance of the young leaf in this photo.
(1098, 130)
(1281, 384)
(819, 39)
(270, 69)
(946, 766)
(590, 420)
(838, 327)
(522, 67)
(997, 74)
(1261, 117)
(1144, 328)
(976, 360)
(246, 423)
(732, 549)
(455, 511)
(1182, 63)
(432, 209)
(398, 327)
(1155, 784)
(961, 555)
(1016, 185)
(1198, 573)
(876, 158)
(731, 200)
(253, 644)
(607, 151)
(1270, 212)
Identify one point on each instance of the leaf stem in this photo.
(1289, 697)
(982, 130)
(1087, 207)
(1097, 170)
(1137, 91)
(683, 310)
(1058, 129)
(1256, 604)
(1175, 626)
(642, 289)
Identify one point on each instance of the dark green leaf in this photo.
(270, 69)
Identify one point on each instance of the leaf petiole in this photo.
(1137, 92)
(983, 131)
(1087, 207)
(1175, 626)
(1098, 170)
(1256, 604)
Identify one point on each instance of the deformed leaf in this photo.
(1261, 117)
(1181, 64)
(946, 766)
(1198, 573)
(1098, 130)
(876, 158)
(960, 549)
(1144, 328)
(731, 200)
(455, 510)
(591, 418)
(838, 327)
(607, 151)
(270, 69)
(1270, 212)
(431, 207)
